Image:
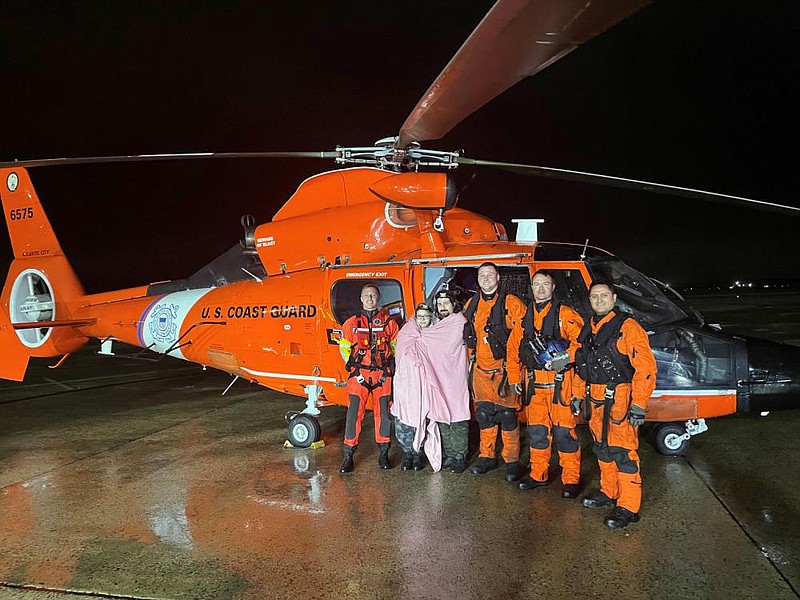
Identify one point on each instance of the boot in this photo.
(458, 464)
(347, 463)
(408, 461)
(483, 465)
(447, 462)
(571, 490)
(620, 517)
(419, 462)
(529, 483)
(383, 458)
(597, 499)
(514, 471)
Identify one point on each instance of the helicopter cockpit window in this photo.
(346, 298)
(638, 294)
(688, 358)
(464, 280)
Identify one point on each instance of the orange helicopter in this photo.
(270, 309)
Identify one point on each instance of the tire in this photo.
(303, 430)
(669, 440)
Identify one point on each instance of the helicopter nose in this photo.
(773, 375)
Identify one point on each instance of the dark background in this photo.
(696, 94)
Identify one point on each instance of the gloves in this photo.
(636, 415)
(575, 406)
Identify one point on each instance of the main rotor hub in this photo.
(387, 155)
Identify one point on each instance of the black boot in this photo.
(447, 462)
(408, 461)
(571, 490)
(529, 483)
(383, 458)
(620, 517)
(347, 463)
(483, 465)
(419, 462)
(597, 499)
(514, 471)
(458, 464)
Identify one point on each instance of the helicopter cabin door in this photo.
(345, 286)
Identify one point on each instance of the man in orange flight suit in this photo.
(549, 386)
(496, 319)
(616, 362)
(367, 346)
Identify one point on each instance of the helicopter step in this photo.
(673, 439)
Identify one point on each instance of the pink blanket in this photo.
(430, 383)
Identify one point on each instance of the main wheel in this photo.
(670, 439)
(303, 431)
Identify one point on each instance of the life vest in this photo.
(598, 360)
(551, 330)
(496, 331)
(372, 348)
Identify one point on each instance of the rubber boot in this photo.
(383, 458)
(347, 463)
(408, 461)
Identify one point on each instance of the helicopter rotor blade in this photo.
(49, 162)
(630, 184)
(516, 39)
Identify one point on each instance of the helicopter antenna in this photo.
(585, 246)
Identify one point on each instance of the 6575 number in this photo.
(20, 214)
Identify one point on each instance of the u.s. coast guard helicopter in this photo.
(270, 309)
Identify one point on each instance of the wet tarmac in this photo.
(130, 479)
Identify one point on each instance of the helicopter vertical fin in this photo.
(41, 285)
(28, 226)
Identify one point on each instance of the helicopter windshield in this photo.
(651, 302)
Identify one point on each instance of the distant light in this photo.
(749, 285)
(763, 413)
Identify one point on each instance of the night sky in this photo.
(696, 94)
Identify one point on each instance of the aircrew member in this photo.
(367, 345)
(548, 352)
(615, 374)
(493, 334)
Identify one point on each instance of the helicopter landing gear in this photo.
(303, 427)
(303, 430)
(672, 439)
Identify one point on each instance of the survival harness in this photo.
(371, 341)
(599, 361)
(497, 335)
(551, 330)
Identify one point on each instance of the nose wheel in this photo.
(302, 430)
(672, 439)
